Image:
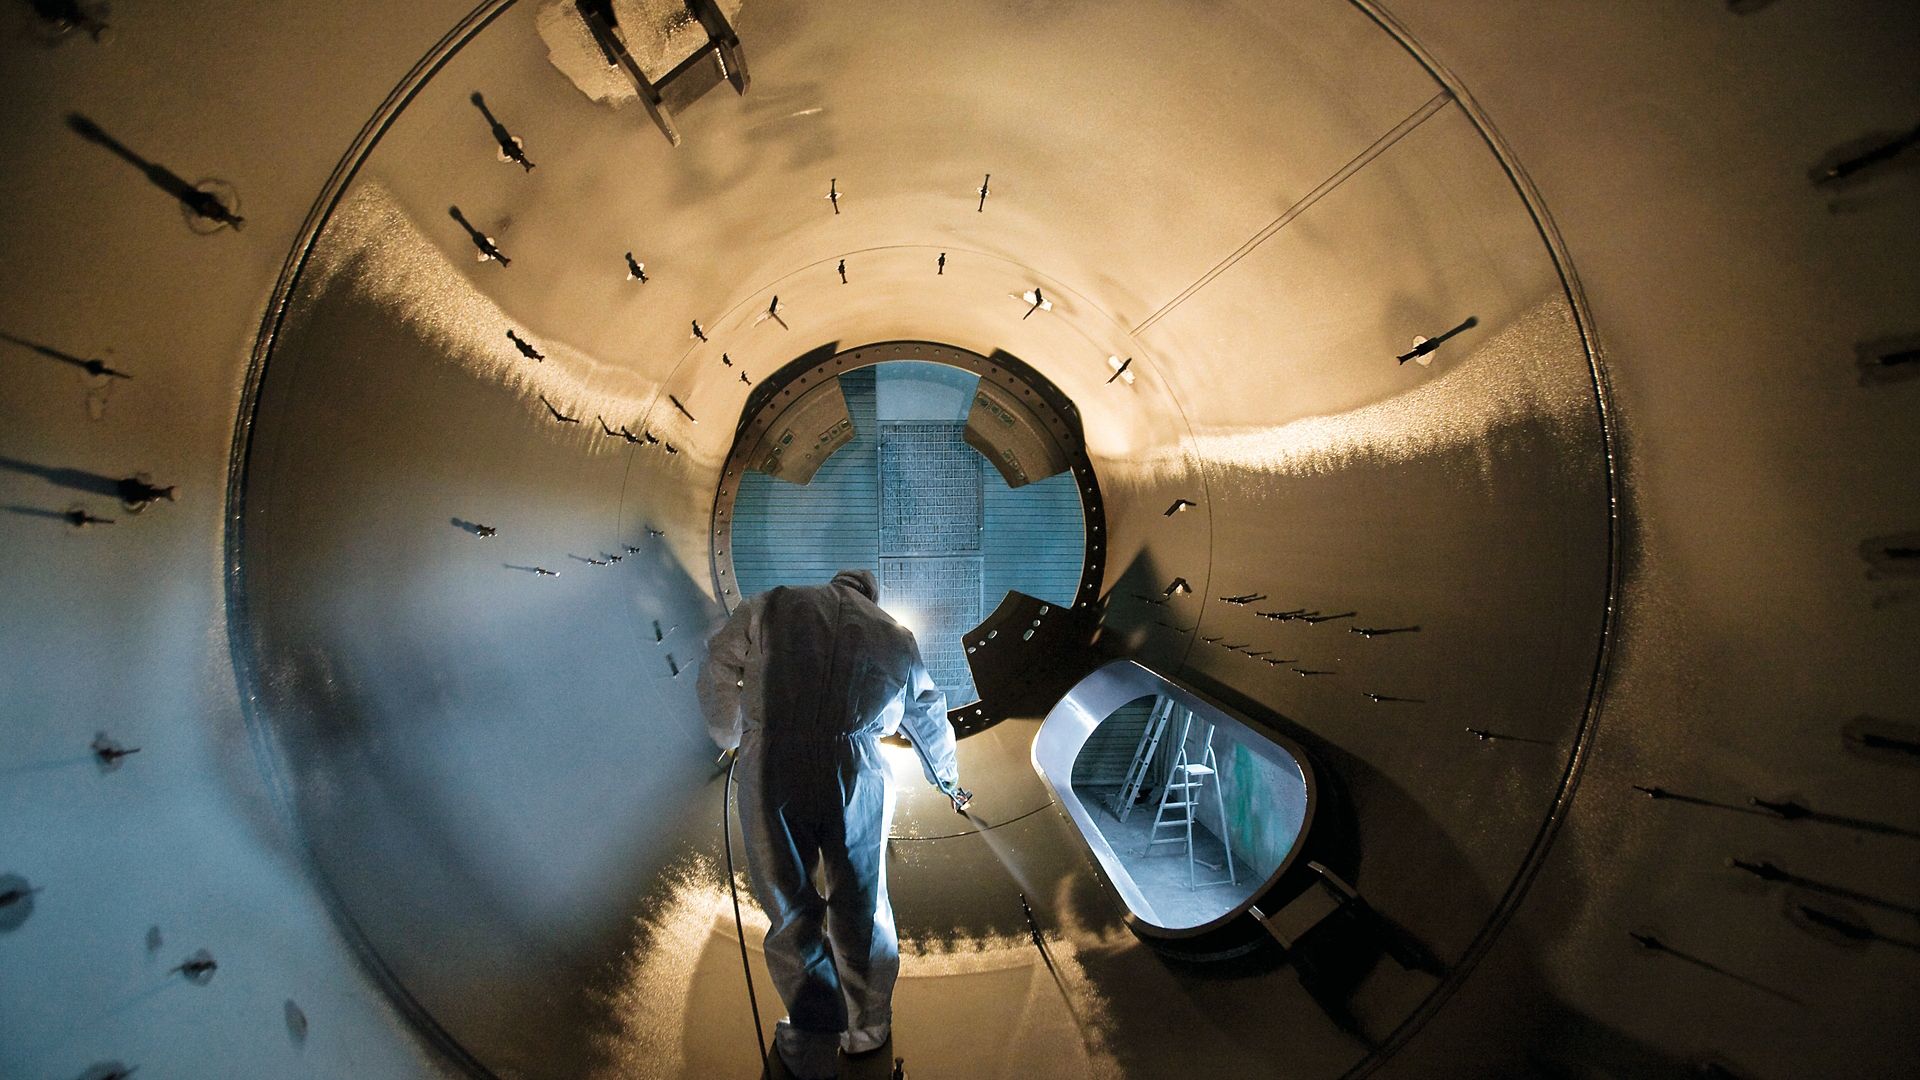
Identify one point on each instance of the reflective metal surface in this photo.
(1063, 735)
(1490, 460)
(1592, 741)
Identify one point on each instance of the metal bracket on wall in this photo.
(724, 43)
(723, 46)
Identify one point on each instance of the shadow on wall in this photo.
(1543, 1037)
(134, 493)
(491, 770)
(80, 480)
(1396, 831)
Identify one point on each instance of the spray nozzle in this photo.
(962, 798)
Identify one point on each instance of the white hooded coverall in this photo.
(805, 680)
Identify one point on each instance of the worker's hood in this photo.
(860, 580)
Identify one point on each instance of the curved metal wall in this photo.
(447, 703)
(497, 777)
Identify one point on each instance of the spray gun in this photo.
(962, 798)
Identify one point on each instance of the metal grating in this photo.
(939, 597)
(930, 498)
(935, 502)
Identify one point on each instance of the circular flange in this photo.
(1055, 411)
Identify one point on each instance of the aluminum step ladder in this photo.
(1143, 758)
(1181, 795)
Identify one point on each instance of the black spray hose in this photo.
(740, 930)
(1046, 957)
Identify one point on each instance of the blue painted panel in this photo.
(917, 390)
(1035, 540)
(790, 534)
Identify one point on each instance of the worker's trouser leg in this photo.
(778, 860)
(859, 914)
(845, 834)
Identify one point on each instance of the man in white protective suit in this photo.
(804, 681)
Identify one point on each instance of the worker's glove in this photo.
(962, 798)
